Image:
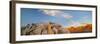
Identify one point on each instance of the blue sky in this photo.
(63, 17)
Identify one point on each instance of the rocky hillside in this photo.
(43, 28)
(53, 28)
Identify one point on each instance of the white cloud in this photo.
(75, 23)
(51, 12)
(57, 13)
(67, 16)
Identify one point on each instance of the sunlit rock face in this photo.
(43, 29)
(53, 28)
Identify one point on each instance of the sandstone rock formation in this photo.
(43, 28)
